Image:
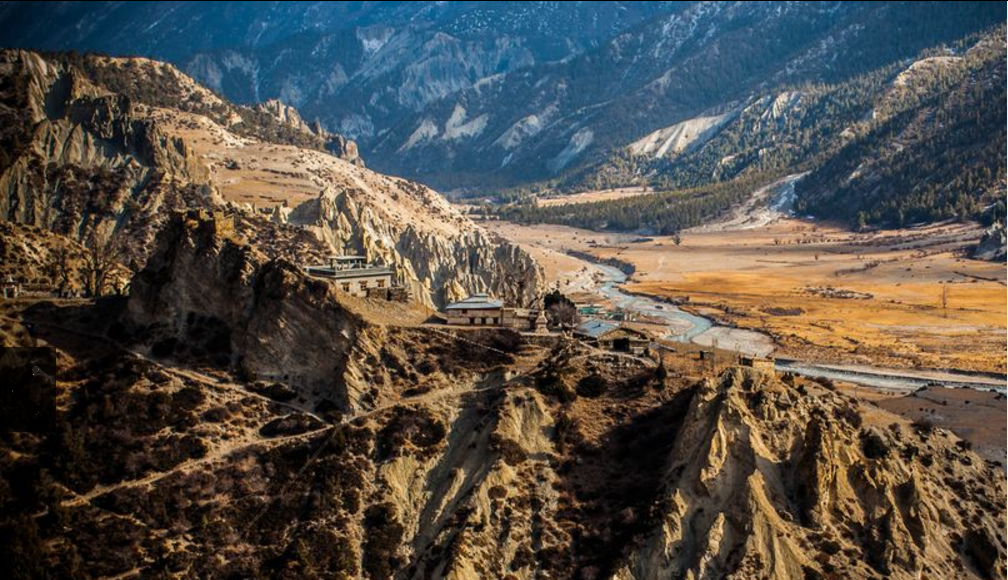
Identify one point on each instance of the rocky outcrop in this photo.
(334, 143)
(992, 246)
(264, 316)
(438, 266)
(770, 481)
(88, 163)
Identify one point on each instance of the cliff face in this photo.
(767, 481)
(84, 162)
(334, 143)
(91, 163)
(263, 316)
(445, 265)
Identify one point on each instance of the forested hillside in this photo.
(913, 142)
(938, 154)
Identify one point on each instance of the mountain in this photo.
(932, 150)
(103, 150)
(384, 452)
(919, 142)
(464, 94)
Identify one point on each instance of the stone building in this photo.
(353, 275)
(761, 364)
(476, 310)
(482, 310)
(11, 289)
(613, 337)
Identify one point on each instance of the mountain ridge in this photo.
(617, 83)
(98, 165)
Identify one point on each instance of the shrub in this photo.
(409, 425)
(591, 386)
(384, 533)
(873, 445)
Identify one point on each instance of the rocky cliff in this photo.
(93, 164)
(84, 162)
(452, 457)
(768, 480)
(993, 244)
(334, 143)
(445, 265)
(262, 316)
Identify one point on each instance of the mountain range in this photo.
(469, 95)
(103, 150)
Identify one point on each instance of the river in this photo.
(683, 326)
(687, 327)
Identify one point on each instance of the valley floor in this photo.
(822, 293)
(826, 295)
(597, 195)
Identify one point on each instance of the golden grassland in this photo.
(822, 293)
(596, 195)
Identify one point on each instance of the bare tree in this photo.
(944, 299)
(563, 314)
(560, 310)
(60, 269)
(101, 258)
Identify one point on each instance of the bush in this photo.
(384, 533)
(591, 386)
(409, 425)
(873, 445)
(510, 450)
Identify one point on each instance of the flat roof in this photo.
(476, 302)
(327, 272)
(595, 328)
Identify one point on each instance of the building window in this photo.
(381, 283)
(346, 286)
(363, 284)
(472, 321)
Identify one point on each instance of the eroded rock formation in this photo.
(90, 163)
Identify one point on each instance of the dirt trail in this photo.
(493, 380)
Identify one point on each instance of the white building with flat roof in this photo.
(476, 310)
(353, 275)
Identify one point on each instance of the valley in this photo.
(823, 293)
(510, 291)
(759, 283)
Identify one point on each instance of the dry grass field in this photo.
(596, 195)
(823, 293)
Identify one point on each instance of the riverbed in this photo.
(687, 327)
(682, 326)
